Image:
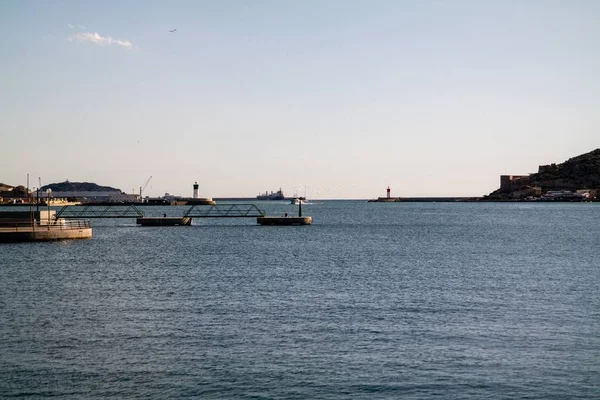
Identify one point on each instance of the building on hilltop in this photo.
(547, 168)
(578, 175)
(510, 183)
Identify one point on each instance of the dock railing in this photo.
(100, 211)
(224, 211)
(61, 225)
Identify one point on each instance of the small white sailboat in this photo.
(299, 199)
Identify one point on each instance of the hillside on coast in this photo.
(67, 186)
(581, 172)
(578, 173)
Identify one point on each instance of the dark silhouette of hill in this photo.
(67, 186)
(581, 172)
(577, 173)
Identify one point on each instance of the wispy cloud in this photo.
(96, 38)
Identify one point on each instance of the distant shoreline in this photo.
(402, 199)
(286, 201)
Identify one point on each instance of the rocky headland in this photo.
(578, 175)
(67, 186)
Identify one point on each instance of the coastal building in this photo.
(14, 195)
(547, 168)
(510, 183)
(526, 192)
(177, 200)
(562, 195)
(169, 197)
(578, 178)
(588, 194)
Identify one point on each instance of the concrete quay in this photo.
(164, 221)
(424, 199)
(283, 221)
(41, 234)
(385, 200)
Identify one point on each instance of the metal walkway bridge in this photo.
(103, 211)
(224, 211)
(132, 211)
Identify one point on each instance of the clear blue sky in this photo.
(434, 98)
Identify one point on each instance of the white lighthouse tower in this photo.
(195, 190)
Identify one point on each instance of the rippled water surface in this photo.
(406, 300)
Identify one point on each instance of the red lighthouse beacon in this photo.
(386, 199)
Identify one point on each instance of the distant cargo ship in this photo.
(278, 195)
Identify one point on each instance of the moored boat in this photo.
(33, 226)
(298, 200)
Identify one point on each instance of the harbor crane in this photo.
(144, 187)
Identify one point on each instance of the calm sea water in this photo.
(408, 300)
